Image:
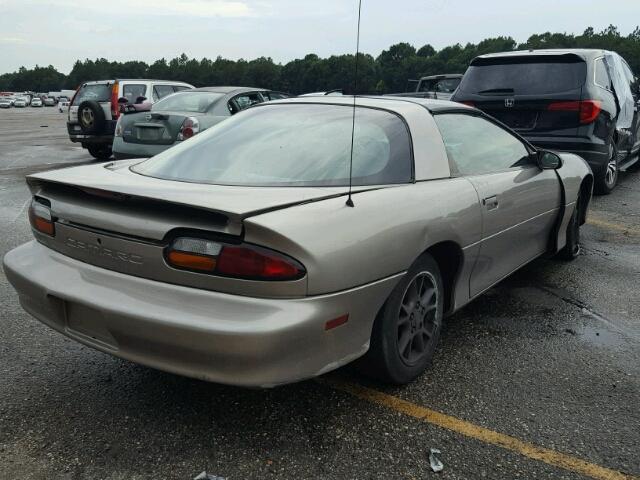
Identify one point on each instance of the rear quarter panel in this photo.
(387, 229)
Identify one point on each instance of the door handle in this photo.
(490, 202)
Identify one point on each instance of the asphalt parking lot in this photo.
(538, 378)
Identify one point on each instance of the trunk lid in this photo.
(113, 198)
(152, 128)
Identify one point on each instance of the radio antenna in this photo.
(353, 116)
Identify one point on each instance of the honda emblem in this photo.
(509, 102)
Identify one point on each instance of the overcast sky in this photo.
(58, 32)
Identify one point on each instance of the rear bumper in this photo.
(207, 335)
(596, 154)
(123, 150)
(105, 137)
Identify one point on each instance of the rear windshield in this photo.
(197, 102)
(98, 92)
(292, 145)
(524, 76)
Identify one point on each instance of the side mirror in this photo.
(123, 100)
(140, 99)
(549, 160)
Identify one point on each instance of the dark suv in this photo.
(580, 101)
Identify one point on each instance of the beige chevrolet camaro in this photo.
(239, 256)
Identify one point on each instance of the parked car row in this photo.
(140, 118)
(21, 101)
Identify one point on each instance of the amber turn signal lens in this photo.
(43, 226)
(191, 261)
(41, 219)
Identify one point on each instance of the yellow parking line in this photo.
(604, 224)
(485, 435)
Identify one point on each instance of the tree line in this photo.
(389, 72)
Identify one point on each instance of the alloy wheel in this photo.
(417, 318)
(87, 117)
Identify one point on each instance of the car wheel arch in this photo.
(449, 257)
(586, 190)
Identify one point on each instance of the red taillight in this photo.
(239, 261)
(249, 262)
(115, 107)
(469, 103)
(41, 219)
(189, 128)
(588, 110)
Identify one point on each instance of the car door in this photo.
(634, 86)
(519, 201)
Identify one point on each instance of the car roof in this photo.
(111, 80)
(442, 75)
(586, 53)
(385, 102)
(224, 89)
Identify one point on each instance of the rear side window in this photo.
(292, 145)
(196, 102)
(476, 146)
(179, 88)
(274, 95)
(97, 92)
(524, 76)
(132, 91)
(161, 91)
(244, 101)
(602, 75)
(448, 85)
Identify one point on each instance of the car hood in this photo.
(235, 202)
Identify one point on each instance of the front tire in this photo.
(407, 329)
(102, 152)
(607, 180)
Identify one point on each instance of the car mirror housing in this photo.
(123, 100)
(549, 160)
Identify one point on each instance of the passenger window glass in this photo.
(133, 91)
(246, 100)
(160, 91)
(476, 146)
(274, 95)
(602, 76)
(448, 85)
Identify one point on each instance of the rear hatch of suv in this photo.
(101, 92)
(537, 95)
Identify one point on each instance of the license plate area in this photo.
(88, 324)
(149, 133)
(521, 120)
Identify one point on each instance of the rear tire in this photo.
(100, 152)
(572, 248)
(607, 180)
(407, 329)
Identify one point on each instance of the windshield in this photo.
(292, 145)
(524, 76)
(99, 92)
(197, 102)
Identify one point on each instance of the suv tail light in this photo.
(189, 128)
(238, 261)
(587, 109)
(41, 219)
(115, 107)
